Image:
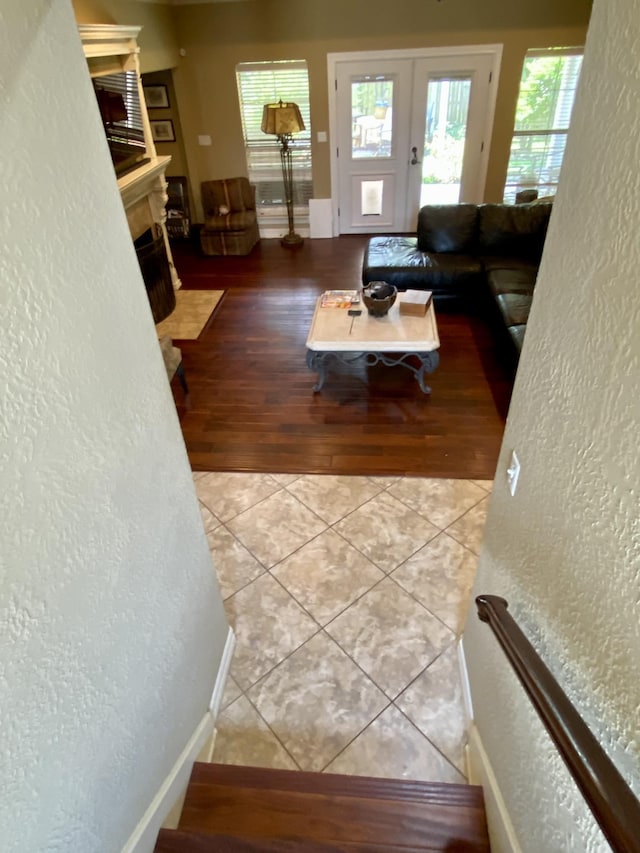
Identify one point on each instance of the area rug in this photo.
(191, 314)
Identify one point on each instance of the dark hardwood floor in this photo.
(251, 406)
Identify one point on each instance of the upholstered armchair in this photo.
(230, 222)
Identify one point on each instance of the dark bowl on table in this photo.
(379, 296)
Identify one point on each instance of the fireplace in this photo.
(113, 49)
(156, 272)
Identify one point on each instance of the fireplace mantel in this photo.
(109, 49)
(109, 40)
(142, 181)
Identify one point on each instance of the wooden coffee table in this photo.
(396, 339)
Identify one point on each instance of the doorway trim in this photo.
(494, 51)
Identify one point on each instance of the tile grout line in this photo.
(323, 625)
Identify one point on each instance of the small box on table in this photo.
(414, 302)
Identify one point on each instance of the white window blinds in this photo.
(261, 83)
(119, 103)
(543, 113)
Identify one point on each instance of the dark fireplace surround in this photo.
(156, 272)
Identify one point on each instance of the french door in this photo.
(410, 130)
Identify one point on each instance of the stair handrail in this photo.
(612, 802)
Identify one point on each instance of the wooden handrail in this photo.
(611, 800)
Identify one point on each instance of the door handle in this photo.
(414, 160)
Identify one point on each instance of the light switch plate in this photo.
(204, 139)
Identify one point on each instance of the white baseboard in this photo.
(199, 748)
(501, 832)
(480, 772)
(205, 755)
(466, 700)
(223, 672)
(143, 839)
(464, 680)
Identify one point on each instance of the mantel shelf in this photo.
(142, 181)
(100, 40)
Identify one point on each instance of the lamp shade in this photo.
(281, 119)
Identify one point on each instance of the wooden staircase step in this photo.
(179, 841)
(333, 783)
(331, 809)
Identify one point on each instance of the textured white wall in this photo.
(565, 551)
(111, 625)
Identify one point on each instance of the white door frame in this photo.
(494, 51)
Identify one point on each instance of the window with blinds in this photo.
(119, 103)
(261, 83)
(543, 113)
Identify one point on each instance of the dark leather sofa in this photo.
(462, 252)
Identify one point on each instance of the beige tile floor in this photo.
(347, 596)
(189, 317)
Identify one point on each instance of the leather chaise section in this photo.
(398, 261)
(388, 252)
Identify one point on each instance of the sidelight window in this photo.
(543, 113)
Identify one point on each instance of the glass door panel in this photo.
(453, 100)
(444, 142)
(373, 108)
(371, 112)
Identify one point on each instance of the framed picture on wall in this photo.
(162, 131)
(156, 97)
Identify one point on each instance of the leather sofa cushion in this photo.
(492, 262)
(516, 230)
(514, 307)
(398, 261)
(393, 252)
(517, 335)
(511, 280)
(453, 271)
(448, 228)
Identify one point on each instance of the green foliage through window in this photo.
(543, 114)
